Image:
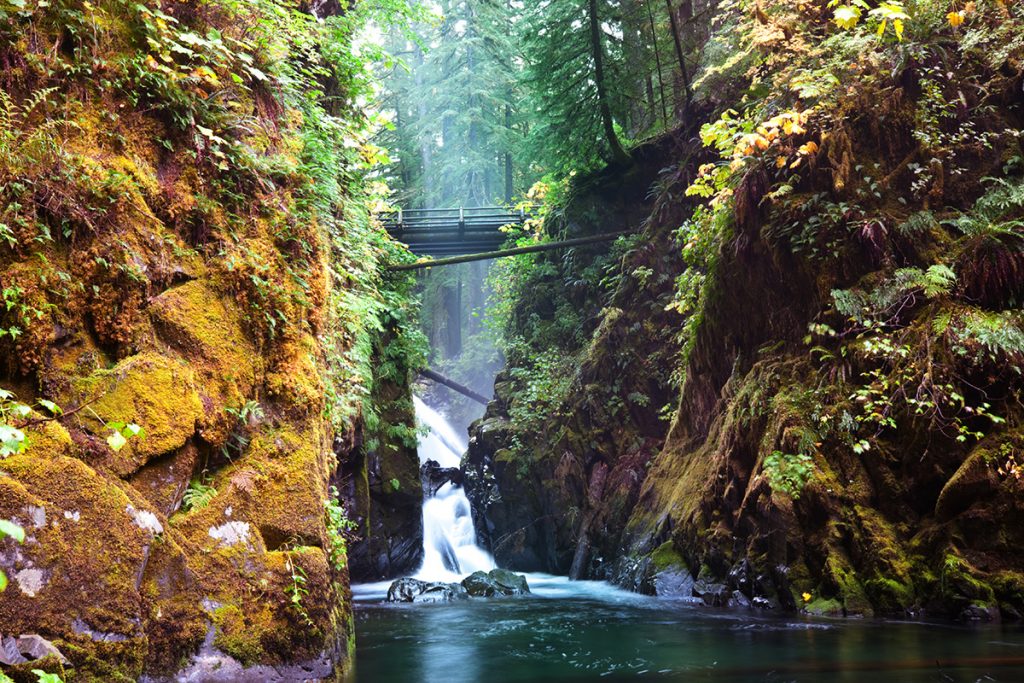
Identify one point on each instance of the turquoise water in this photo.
(588, 631)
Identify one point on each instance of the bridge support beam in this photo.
(488, 255)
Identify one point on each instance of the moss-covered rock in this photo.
(207, 329)
(76, 578)
(155, 391)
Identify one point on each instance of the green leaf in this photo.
(116, 441)
(3, 585)
(131, 430)
(12, 530)
(45, 677)
(12, 441)
(51, 406)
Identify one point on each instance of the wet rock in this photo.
(713, 594)
(763, 603)
(386, 494)
(673, 583)
(434, 477)
(27, 648)
(979, 613)
(414, 590)
(740, 578)
(494, 583)
(9, 653)
(163, 481)
(492, 434)
(738, 599)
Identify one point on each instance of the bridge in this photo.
(452, 232)
(452, 236)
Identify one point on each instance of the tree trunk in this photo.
(426, 143)
(657, 60)
(619, 154)
(680, 54)
(509, 181)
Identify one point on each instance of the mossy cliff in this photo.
(805, 392)
(187, 250)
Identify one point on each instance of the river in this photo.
(591, 631)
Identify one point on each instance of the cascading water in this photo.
(450, 551)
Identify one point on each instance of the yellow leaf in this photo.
(955, 18)
(780, 162)
(846, 16)
(808, 148)
(807, 597)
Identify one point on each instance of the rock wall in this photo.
(387, 492)
(178, 343)
(919, 522)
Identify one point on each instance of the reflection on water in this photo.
(588, 631)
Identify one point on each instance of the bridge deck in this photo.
(452, 232)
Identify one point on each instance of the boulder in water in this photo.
(414, 590)
(434, 477)
(495, 582)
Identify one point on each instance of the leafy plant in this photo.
(251, 410)
(44, 677)
(339, 526)
(788, 473)
(297, 591)
(9, 530)
(121, 432)
(199, 494)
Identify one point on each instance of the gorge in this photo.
(751, 347)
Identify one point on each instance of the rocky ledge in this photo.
(495, 583)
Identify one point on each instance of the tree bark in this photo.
(619, 154)
(657, 59)
(680, 54)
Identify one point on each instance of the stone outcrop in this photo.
(176, 335)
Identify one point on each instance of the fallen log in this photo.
(453, 385)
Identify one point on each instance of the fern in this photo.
(993, 213)
(998, 335)
(918, 224)
(938, 280)
(198, 495)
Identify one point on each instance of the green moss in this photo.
(236, 636)
(155, 391)
(824, 607)
(666, 556)
(207, 329)
(847, 586)
(889, 595)
(84, 539)
(960, 580)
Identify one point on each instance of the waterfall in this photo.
(450, 551)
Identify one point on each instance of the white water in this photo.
(450, 552)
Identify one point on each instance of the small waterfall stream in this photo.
(450, 551)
